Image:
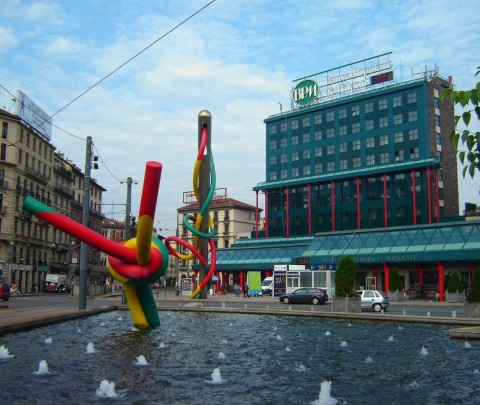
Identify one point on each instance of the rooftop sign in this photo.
(342, 81)
(33, 115)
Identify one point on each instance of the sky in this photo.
(234, 58)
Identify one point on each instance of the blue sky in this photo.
(236, 58)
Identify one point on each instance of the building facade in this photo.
(30, 166)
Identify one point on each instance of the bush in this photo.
(394, 280)
(454, 283)
(473, 293)
(346, 277)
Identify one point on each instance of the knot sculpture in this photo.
(141, 260)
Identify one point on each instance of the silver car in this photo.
(373, 299)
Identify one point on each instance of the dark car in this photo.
(305, 295)
(4, 291)
(63, 288)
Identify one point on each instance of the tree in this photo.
(454, 283)
(346, 277)
(469, 101)
(473, 292)
(394, 284)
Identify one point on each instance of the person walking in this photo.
(236, 289)
(245, 291)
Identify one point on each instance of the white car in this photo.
(373, 300)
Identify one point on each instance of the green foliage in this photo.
(394, 280)
(346, 277)
(473, 292)
(454, 283)
(469, 101)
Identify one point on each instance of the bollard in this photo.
(268, 306)
(311, 308)
(404, 313)
(289, 307)
(428, 313)
(245, 306)
(454, 314)
(223, 305)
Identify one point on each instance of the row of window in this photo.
(329, 133)
(353, 111)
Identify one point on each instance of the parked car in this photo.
(50, 287)
(373, 300)
(63, 288)
(305, 295)
(4, 291)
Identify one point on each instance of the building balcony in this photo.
(64, 190)
(31, 172)
(63, 172)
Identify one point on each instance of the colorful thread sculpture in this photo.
(143, 259)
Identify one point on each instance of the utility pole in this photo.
(204, 121)
(128, 209)
(82, 301)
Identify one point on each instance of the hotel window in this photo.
(356, 162)
(330, 166)
(412, 98)
(295, 172)
(343, 147)
(283, 158)
(273, 160)
(295, 140)
(412, 116)
(382, 104)
(399, 156)
(384, 157)
(283, 174)
(342, 113)
(369, 125)
(397, 119)
(414, 153)
(306, 138)
(438, 138)
(355, 127)
(273, 176)
(273, 145)
(306, 170)
(397, 101)
(436, 102)
(398, 137)
(343, 164)
(3, 152)
(318, 152)
(383, 122)
(306, 122)
(273, 130)
(330, 149)
(413, 134)
(370, 160)
(342, 130)
(318, 135)
(383, 139)
(318, 119)
(356, 145)
(283, 142)
(355, 110)
(370, 142)
(283, 127)
(294, 156)
(306, 154)
(330, 116)
(368, 107)
(330, 132)
(437, 120)
(318, 168)
(295, 124)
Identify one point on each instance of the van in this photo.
(267, 286)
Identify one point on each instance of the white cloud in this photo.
(8, 40)
(64, 46)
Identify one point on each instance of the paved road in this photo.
(34, 310)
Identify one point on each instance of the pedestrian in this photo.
(245, 291)
(236, 290)
(113, 287)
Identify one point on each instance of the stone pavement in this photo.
(18, 319)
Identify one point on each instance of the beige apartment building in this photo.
(30, 166)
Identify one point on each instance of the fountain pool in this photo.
(363, 362)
